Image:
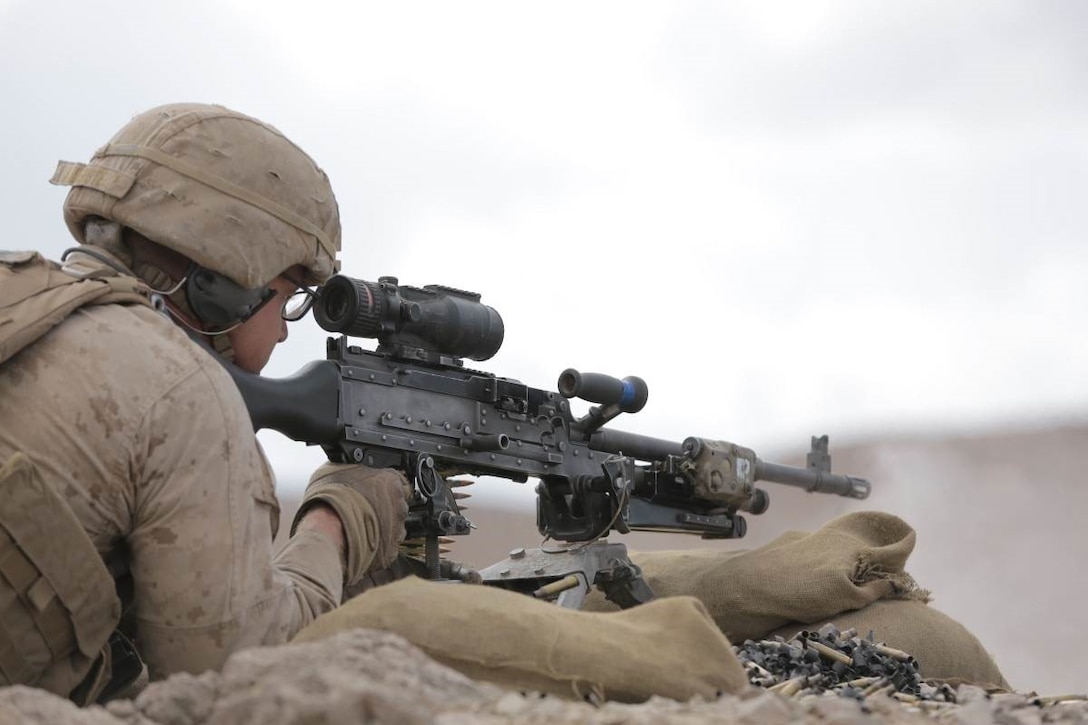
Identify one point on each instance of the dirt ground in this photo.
(364, 676)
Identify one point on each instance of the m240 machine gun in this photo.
(412, 404)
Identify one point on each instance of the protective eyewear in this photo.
(299, 303)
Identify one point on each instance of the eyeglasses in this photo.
(299, 303)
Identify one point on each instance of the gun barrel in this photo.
(647, 448)
(812, 481)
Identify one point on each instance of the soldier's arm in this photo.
(207, 583)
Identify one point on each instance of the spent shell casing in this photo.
(863, 681)
(848, 634)
(888, 689)
(874, 687)
(790, 687)
(557, 586)
(762, 672)
(829, 653)
(895, 654)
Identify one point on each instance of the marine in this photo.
(137, 509)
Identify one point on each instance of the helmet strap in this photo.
(164, 284)
(223, 347)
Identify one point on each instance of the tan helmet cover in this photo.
(225, 190)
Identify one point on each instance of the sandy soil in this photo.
(375, 677)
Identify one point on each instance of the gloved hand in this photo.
(372, 504)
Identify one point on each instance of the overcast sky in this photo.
(790, 218)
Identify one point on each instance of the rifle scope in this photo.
(434, 319)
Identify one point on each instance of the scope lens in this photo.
(336, 304)
(351, 306)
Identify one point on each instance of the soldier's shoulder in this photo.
(134, 346)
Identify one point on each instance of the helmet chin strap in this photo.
(223, 346)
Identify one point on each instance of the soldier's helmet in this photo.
(225, 190)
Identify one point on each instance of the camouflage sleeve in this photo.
(207, 582)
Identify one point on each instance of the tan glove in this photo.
(372, 504)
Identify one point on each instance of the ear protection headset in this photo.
(215, 299)
(221, 302)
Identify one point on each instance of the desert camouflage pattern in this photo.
(58, 604)
(223, 189)
(146, 438)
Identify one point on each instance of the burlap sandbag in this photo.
(851, 562)
(669, 648)
(944, 649)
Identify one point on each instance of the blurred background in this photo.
(789, 218)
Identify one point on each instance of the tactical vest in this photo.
(36, 295)
(58, 604)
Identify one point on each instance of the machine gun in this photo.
(412, 404)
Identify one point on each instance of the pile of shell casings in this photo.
(832, 662)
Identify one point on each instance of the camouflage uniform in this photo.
(122, 438)
(160, 465)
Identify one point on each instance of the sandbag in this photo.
(850, 562)
(943, 647)
(669, 648)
